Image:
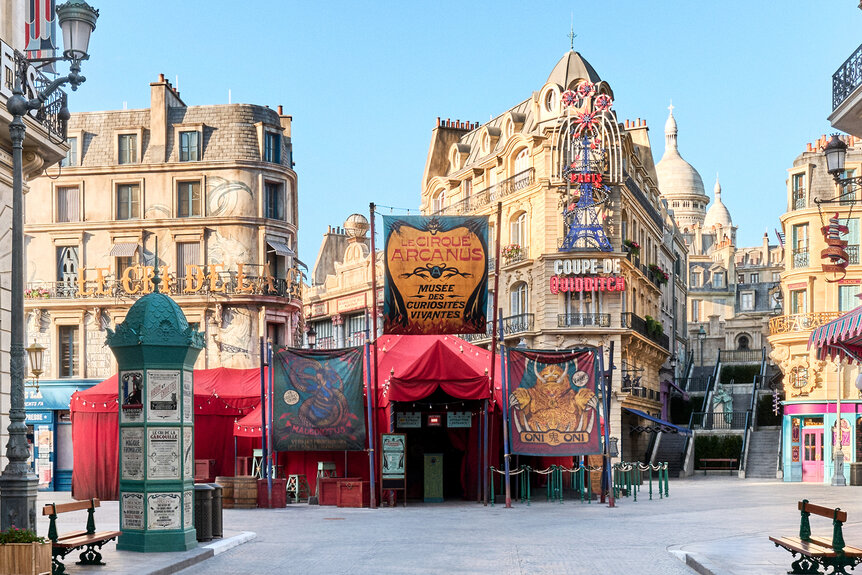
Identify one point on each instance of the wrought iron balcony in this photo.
(639, 324)
(800, 322)
(490, 194)
(847, 78)
(516, 256)
(799, 198)
(49, 114)
(512, 325)
(584, 320)
(800, 258)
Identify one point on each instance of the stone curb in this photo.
(696, 562)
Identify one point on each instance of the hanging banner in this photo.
(318, 400)
(436, 274)
(553, 403)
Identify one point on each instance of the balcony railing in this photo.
(799, 198)
(584, 320)
(741, 355)
(719, 420)
(325, 343)
(517, 256)
(490, 194)
(259, 285)
(800, 258)
(512, 325)
(852, 253)
(847, 78)
(355, 339)
(639, 324)
(800, 321)
(49, 114)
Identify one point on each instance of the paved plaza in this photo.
(719, 524)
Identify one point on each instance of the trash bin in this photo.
(855, 473)
(204, 511)
(217, 523)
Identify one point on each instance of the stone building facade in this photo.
(205, 194)
(519, 159)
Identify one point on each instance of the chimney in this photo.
(280, 111)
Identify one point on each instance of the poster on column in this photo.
(133, 510)
(436, 274)
(132, 445)
(163, 392)
(318, 403)
(553, 403)
(163, 511)
(163, 453)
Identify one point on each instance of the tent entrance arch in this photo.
(431, 430)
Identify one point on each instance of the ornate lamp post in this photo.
(17, 486)
(311, 337)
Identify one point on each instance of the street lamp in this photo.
(36, 353)
(701, 335)
(17, 485)
(311, 337)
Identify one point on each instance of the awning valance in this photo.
(281, 248)
(663, 425)
(123, 250)
(840, 337)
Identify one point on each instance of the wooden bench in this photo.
(818, 552)
(88, 539)
(717, 464)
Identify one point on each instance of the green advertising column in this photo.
(156, 351)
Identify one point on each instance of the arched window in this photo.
(518, 229)
(455, 160)
(486, 143)
(743, 342)
(551, 101)
(522, 161)
(439, 201)
(518, 299)
(510, 129)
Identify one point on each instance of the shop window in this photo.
(67, 336)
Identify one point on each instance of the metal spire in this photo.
(572, 34)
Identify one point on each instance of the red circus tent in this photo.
(221, 395)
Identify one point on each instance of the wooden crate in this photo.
(25, 558)
(329, 489)
(205, 470)
(279, 493)
(353, 493)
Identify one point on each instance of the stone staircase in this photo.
(763, 453)
(670, 449)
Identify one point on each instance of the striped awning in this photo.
(123, 249)
(841, 337)
(281, 248)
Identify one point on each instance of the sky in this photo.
(365, 81)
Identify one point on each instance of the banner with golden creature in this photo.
(317, 396)
(436, 274)
(553, 402)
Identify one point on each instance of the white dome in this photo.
(718, 214)
(677, 179)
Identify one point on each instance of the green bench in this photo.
(818, 552)
(87, 539)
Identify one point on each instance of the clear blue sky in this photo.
(365, 81)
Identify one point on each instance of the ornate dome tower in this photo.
(718, 214)
(679, 182)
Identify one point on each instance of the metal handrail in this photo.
(735, 420)
(583, 319)
(489, 194)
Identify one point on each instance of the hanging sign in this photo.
(318, 402)
(459, 419)
(408, 419)
(436, 277)
(553, 403)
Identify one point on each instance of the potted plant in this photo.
(659, 273)
(633, 247)
(22, 552)
(511, 251)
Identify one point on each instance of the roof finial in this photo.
(671, 107)
(572, 34)
(156, 278)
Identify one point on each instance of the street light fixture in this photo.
(311, 337)
(17, 485)
(36, 353)
(701, 335)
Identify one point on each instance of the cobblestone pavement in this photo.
(721, 524)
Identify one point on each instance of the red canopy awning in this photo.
(411, 367)
(841, 337)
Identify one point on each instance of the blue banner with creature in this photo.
(317, 400)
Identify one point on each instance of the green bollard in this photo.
(491, 472)
(666, 481)
(650, 482)
(589, 487)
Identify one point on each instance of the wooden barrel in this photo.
(245, 492)
(226, 491)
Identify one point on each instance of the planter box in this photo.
(353, 493)
(329, 489)
(279, 493)
(25, 558)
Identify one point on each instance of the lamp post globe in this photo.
(311, 337)
(835, 152)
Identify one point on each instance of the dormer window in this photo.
(486, 143)
(190, 150)
(127, 148)
(551, 101)
(272, 147)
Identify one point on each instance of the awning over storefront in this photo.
(661, 425)
(281, 248)
(124, 250)
(841, 337)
